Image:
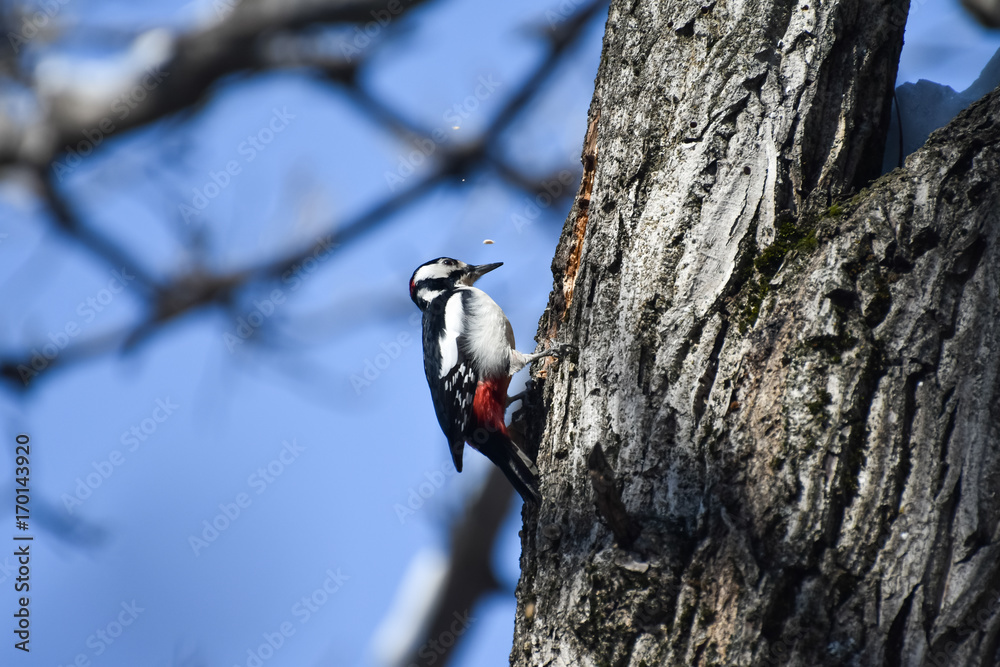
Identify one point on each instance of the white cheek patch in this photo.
(448, 342)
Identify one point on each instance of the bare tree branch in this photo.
(69, 222)
(202, 288)
(200, 59)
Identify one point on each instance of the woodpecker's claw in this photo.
(516, 397)
(560, 350)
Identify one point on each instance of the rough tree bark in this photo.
(795, 381)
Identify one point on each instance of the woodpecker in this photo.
(469, 357)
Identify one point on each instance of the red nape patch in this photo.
(411, 288)
(490, 403)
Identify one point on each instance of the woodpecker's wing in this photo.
(455, 411)
(450, 374)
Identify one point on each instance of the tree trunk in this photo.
(796, 386)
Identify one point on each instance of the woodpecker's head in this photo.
(437, 276)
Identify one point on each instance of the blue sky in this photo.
(314, 464)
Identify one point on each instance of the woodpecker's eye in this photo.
(449, 262)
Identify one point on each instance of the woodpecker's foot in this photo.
(529, 398)
(557, 351)
(516, 397)
(560, 350)
(521, 360)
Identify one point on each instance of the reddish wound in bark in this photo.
(583, 212)
(579, 231)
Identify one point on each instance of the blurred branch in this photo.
(70, 223)
(986, 12)
(560, 37)
(470, 575)
(202, 288)
(182, 80)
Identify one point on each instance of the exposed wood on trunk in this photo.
(582, 204)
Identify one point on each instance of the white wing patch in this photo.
(448, 343)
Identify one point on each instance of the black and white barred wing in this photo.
(450, 374)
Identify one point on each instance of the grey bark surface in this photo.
(795, 383)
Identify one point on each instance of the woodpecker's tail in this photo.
(514, 463)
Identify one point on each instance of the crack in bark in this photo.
(902, 469)
(949, 429)
(894, 640)
(608, 499)
(707, 380)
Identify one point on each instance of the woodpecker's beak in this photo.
(476, 272)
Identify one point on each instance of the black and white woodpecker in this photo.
(469, 357)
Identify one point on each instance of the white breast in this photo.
(486, 334)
